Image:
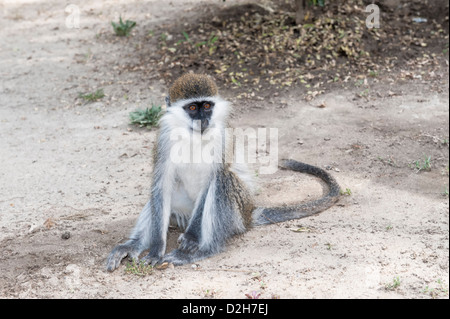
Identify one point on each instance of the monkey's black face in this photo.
(200, 111)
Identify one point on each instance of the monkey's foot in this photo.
(120, 252)
(178, 258)
(188, 244)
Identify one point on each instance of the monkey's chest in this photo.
(191, 180)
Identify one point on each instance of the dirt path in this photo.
(70, 167)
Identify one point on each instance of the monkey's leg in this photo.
(214, 221)
(189, 249)
(160, 217)
(138, 242)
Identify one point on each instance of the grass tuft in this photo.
(92, 97)
(138, 269)
(122, 29)
(148, 117)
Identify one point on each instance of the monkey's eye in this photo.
(193, 107)
(207, 106)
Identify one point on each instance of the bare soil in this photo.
(74, 175)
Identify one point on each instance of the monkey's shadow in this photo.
(172, 240)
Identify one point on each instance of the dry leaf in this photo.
(163, 266)
(301, 230)
(322, 105)
(49, 223)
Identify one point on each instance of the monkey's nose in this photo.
(205, 124)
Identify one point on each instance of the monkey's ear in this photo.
(168, 101)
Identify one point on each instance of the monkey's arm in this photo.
(155, 232)
(151, 228)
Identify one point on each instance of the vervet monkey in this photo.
(211, 201)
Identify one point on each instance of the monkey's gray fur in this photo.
(212, 202)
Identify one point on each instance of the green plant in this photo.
(235, 82)
(394, 285)
(387, 161)
(123, 29)
(364, 93)
(423, 166)
(209, 43)
(163, 38)
(347, 192)
(435, 292)
(138, 269)
(320, 3)
(186, 38)
(148, 117)
(92, 97)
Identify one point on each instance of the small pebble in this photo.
(65, 235)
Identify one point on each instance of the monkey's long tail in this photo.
(272, 215)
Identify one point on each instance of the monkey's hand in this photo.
(120, 252)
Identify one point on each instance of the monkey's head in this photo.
(194, 101)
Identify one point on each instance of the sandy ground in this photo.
(81, 168)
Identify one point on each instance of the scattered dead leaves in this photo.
(251, 49)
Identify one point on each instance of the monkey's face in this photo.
(200, 112)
